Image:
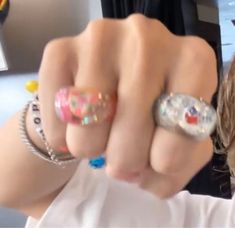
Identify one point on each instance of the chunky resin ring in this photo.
(84, 107)
(62, 107)
(185, 114)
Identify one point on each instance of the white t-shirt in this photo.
(91, 199)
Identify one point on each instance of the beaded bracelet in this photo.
(58, 157)
(50, 155)
(26, 139)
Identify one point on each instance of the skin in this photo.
(139, 59)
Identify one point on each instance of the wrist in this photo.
(32, 132)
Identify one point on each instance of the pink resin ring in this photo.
(84, 107)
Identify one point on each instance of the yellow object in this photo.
(3, 4)
(32, 86)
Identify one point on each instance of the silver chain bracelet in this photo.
(25, 136)
(51, 156)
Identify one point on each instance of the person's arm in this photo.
(28, 183)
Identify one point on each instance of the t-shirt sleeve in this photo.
(91, 199)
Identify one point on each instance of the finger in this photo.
(132, 129)
(96, 71)
(170, 151)
(59, 64)
(131, 134)
(166, 185)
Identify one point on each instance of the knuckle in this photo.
(57, 47)
(96, 25)
(197, 49)
(137, 18)
(99, 35)
(145, 26)
(197, 53)
(143, 22)
(148, 37)
(99, 29)
(139, 24)
(60, 53)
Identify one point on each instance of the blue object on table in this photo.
(98, 162)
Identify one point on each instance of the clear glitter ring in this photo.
(84, 107)
(185, 114)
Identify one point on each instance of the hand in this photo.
(139, 59)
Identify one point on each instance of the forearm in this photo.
(26, 179)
